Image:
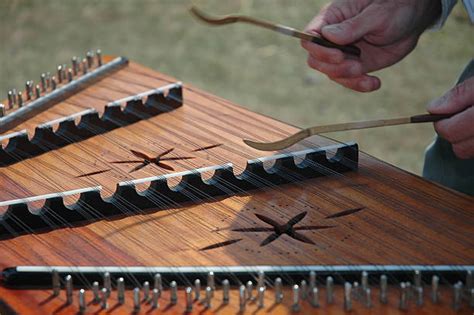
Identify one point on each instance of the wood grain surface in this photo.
(403, 219)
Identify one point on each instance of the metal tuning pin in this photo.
(69, 75)
(249, 290)
(155, 295)
(296, 298)
(10, 99)
(2, 110)
(225, 291)
(120, 291)
(75, 65)
(146, 291)
(329, 290)
(20, 99)
(457, 296)
(158, 283)
(261, 279)
(48, 80)
(82, 301)
(53, 83)
(37, 91)
(368, 298)
(43, 82)
(383, 289)
(84, 66)
(174, 293)
(90, 59)
(59, 74)
(28, 90)
(208, 298)
(98, 53)
(314, 297)
(95, 291)
(15, 100)
(136, 300)
(211, 282)
(347, 296)
(69, 289)
(197, 289)
(104, 304)
(312, 280)
(54, 279)
(64, 72)
(278, 291)
(261, 297)
(242, 298)
(107, 283)
(364, 280)
(409, 290)
(403, 305)
(417, 279)
(189, 299)
(419, 296)
(304, 289)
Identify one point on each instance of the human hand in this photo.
(459, 129)
(385, 31)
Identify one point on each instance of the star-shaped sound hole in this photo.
(287, 228)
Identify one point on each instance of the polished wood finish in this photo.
(404, 219)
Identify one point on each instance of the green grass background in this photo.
(258, 69)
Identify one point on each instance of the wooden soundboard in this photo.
(373, 214)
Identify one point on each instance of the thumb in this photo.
(353, 29)
(455, 100)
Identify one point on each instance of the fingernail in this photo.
(434, 104)
(333, 29)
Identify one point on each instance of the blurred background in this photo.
(253, 67)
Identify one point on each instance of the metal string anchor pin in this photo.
(43, 82)
(329, 290)
(364, 280)
(53, 83)
(59, 74)
(28, 90)
(146, 291)
(90, 59)
(419, 296)
(261, 279)
(347, 296)
(174, 293)
(189, 299)
(208, 300)
(10, 99)
(368, 298)
(457, 296)
(75, 65)
(98, 53)
(82, 301)
(261, 297)
(296, 298)
(211, 281)
(107, 283)
(55, 281)
(314, 297)
(155, 295)
(2, 110)
(69, 289)
(383, 289)
(95, 291)
(104, 295)
(249, 290)
(278, 291)
(136, 299)
(69, 75)
(242, 299)
(158, 284)
(121, 291)
(417, 279)
(20, 99)
(37, 91)
(197, 289)
(469, 280)
(312, 280)
(403, 305)
(225, 291)
(304, 289)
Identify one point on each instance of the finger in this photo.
(464, 149)
(346, 69)
(457, 128)
(455, 100)
(364, 83)
(324, 54)
(353, 29)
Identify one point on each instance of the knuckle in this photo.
(444, 132)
